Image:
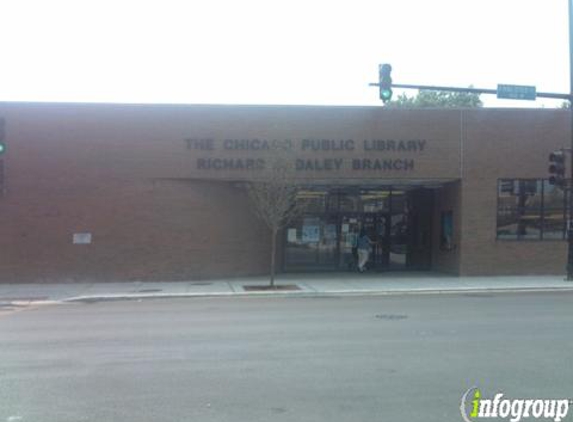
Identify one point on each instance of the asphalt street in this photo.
(383, 358)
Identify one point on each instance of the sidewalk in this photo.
(321, 284)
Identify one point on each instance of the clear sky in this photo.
(276, 52)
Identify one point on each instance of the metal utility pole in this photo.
(569, 191)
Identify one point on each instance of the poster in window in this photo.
(330, 232)
(447, 231)
(291, 235)
(310, 233)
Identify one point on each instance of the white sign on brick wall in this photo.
(82, 238)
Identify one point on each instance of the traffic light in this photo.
(385, 82)
(557, 168)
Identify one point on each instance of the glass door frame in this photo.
(381, 254)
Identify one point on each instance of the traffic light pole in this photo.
(553, 95)
(568, 188)
(569, 191)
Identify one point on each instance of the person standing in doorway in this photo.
(364, 246)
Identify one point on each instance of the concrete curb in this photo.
(309, 293)
(34, 302)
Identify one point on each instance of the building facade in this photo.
(96, 192)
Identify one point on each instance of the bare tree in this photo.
(274, 196)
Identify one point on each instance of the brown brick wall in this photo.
(124, 173)
(147, 230)
(506, 144)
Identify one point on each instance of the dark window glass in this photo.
(375, 200)
(507, 221)
(314, 201)
(332, 201)
(553, 196)
(529, 209)
(399, 202)
(529, 224)
(350, 202)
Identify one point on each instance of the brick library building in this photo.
(117, 192)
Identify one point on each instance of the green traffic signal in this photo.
(2, 148)
(385, 94)
(385, 82)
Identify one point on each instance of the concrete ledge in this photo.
(303, 293)
(311, 285)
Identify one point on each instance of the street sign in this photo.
(516, 92)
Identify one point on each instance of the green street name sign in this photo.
(516, 92)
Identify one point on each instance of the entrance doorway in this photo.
(393, 218)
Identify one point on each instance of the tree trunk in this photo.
(273, 253)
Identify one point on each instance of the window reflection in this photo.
(325, 234)
(375, 201)
(529, 209)
(313, 200)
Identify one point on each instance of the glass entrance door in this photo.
(312, 243)
(376, 226)
(398, 241)
(349, 230)
(398, 231)
(327, 240)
